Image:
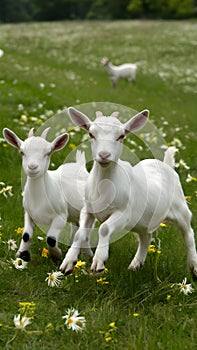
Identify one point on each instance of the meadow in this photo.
(45, 68)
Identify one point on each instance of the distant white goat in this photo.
(125, 198)
(50, 197)
(126, 70)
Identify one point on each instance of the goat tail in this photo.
(169, 156)
(80, 157)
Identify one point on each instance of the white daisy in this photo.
(185, 288)
(74, 321)
(190, 178)
(21, 322)
(54, 278)
(12, 244)
(19, 263)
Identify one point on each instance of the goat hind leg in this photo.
(140, 256)
(183, 219)
(52, 237)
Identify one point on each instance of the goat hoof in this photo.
(25, 255)
(68, 269)
(68, 272)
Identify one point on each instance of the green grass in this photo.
(65, 57)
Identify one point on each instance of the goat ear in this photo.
(137, 122)
(79, 118)
(12, 138)
(59, 142)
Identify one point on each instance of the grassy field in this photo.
(45, 68)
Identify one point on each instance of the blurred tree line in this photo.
(50, 10)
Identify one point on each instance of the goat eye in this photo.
(91, 135)
(120, 138)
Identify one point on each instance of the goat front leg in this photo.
(28, 231)
(140, 256)
(114, 223)
(53, 233)
(81, 240)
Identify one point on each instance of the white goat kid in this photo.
(50, 197)
(125, 198)
(126, 70)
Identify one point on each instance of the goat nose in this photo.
(104, 155)
(32, 166)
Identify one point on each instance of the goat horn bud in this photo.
(115, 114)
(31, 132)
(45, 132)
(99, 114)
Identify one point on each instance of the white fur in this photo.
(126, 70)
(125, 198)
(50, 197)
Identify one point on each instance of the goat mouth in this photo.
(104, 162)
(33, 173)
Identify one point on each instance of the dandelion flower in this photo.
(108, 339)
(162, 224)
(102, 280)
(135, 314)
(112, 325)
(21, 322)
(45, 253)
(54, 278)
(19, 264)
(185, 288)
(80, 264)
(151, 248)
(12, 244)
(74, 321)
(19, 230)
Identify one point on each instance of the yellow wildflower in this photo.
(188, 199)
(19, 230)
(72, 146)
(80, 264)
(23, 118)
(162, 224)
(108, 339)
(151, 248)
(102, 280)
(112, 325)
(45, 253)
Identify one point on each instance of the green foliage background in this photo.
(45, 10)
